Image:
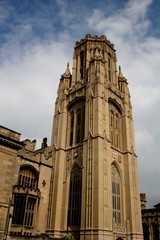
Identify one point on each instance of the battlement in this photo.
(40, 157)
(90, 37)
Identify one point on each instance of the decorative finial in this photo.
(67, 72)
(120, 75)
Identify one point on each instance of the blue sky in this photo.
(37, 40)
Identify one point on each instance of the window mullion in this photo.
(24, 218)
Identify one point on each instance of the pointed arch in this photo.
(75, 192)
(29, 166)
(118, 169)
(75, 101)
(116, 104)
(75, 165)
(28, 176)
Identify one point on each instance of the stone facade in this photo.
(9, 145)
(86, 182)
(150, 220)
(94, 191)
(24, 186)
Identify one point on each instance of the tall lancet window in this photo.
(116, 194)
(109, 68)
(74, 210)
(71, 128)
(82, 64)
(115, 126)
(76, 123)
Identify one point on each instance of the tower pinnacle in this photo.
(67, 72)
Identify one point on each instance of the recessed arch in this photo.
(118, 169)
(116, 104)
(29, 166)
(75, 165)
(28, 176)
(75, 101)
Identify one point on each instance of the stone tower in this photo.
(94, 191)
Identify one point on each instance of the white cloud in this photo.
(124, 24)
(29, 89)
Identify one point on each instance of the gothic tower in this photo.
(94, 191)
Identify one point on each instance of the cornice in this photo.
(11, 143)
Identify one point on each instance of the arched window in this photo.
(76, 122)
(25, 202)
(115, 126)
(28, 177)
(116, 194)
(145, 231)
(74, 210)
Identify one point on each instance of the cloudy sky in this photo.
(37, 38)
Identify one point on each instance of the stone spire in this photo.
(67, 72)
(120, 75)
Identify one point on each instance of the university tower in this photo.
(94, 191)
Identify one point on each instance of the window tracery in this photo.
(24, 202)
(27, 177)
(115, 126)
(116, 194)
(74, 210)
(76, 122)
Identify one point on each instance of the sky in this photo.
(37, 39)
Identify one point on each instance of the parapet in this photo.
(93, 38)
